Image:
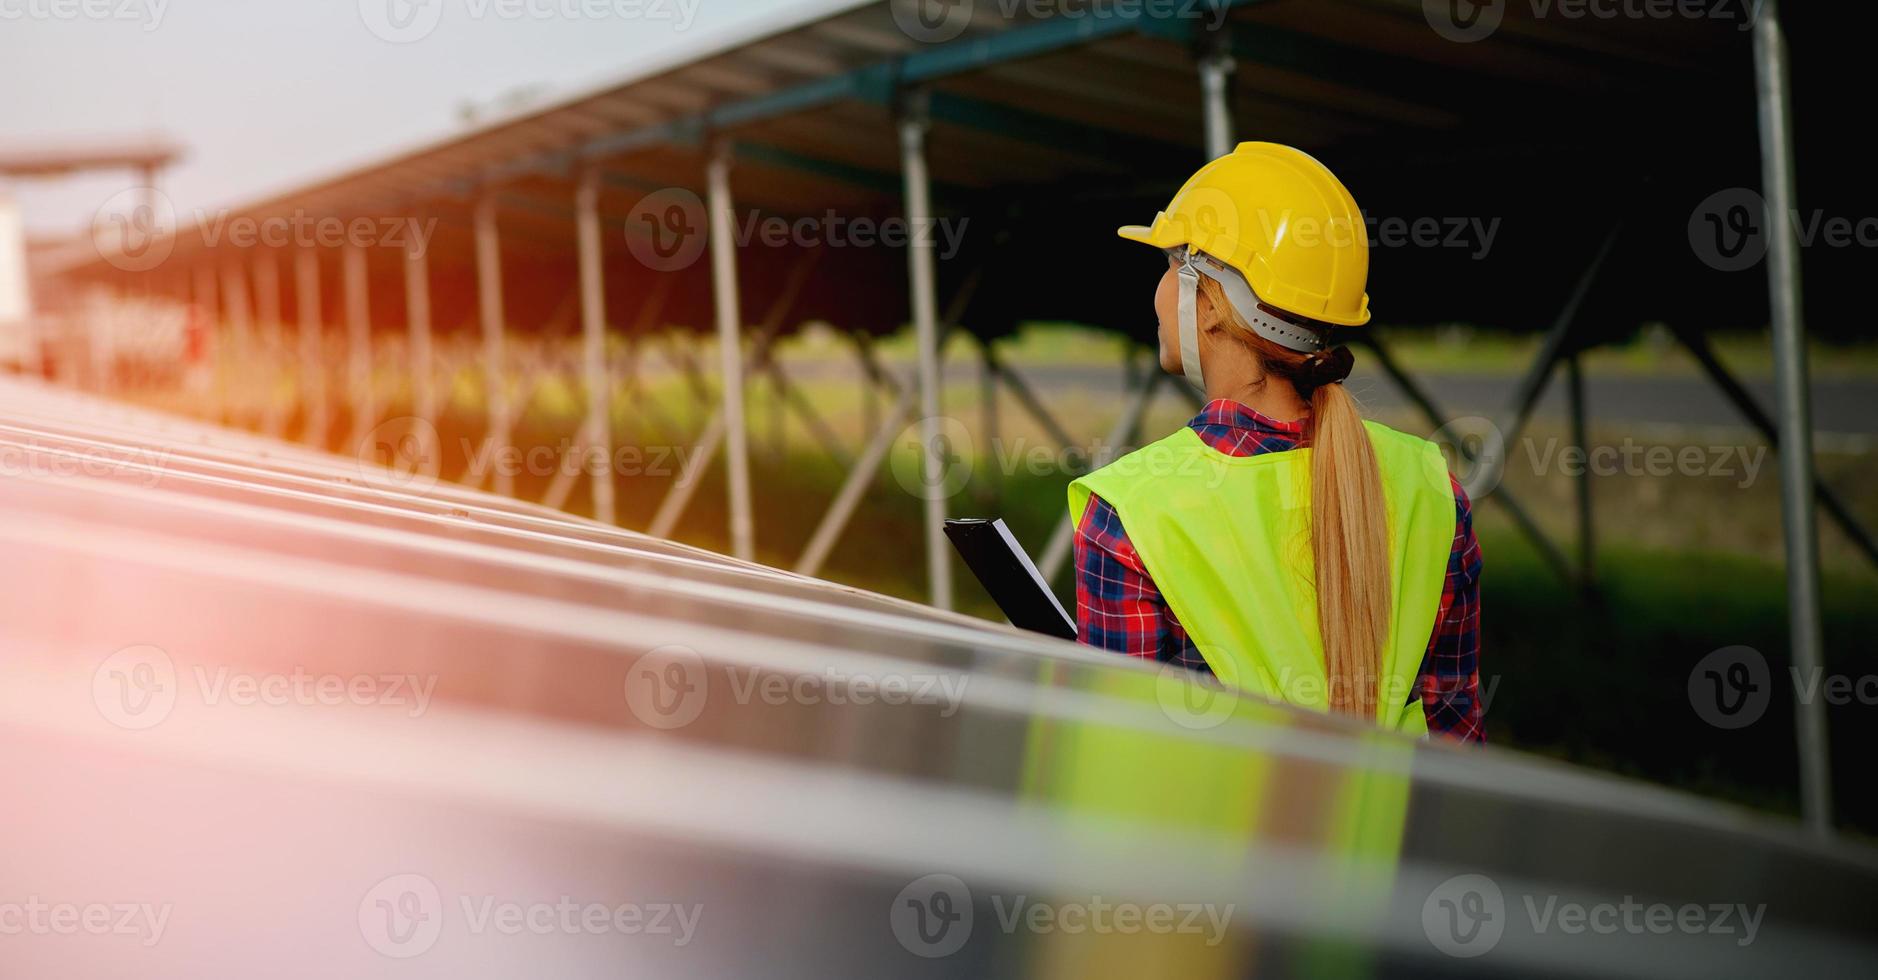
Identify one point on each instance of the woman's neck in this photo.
(1273, 398)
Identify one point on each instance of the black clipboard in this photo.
(1008, 574)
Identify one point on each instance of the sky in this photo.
(268, 94)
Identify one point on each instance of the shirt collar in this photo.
(1228, 414)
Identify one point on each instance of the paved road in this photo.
(1841, 407)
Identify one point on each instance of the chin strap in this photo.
(1193, 265)
(1190, 322)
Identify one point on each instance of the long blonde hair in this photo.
(1349, 522)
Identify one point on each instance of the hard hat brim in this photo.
(1145, 235)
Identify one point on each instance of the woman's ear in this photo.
(1206, 315)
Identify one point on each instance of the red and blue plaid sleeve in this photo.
(1450, 673)
(1118, 607)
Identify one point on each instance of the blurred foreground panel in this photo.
(271, 712)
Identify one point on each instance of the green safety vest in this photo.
(1227, 541)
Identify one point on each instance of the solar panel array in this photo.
(271, 711)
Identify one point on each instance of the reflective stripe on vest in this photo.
(1227, 541)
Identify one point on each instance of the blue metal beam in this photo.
(878, 83)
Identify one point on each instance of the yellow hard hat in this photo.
(1284, 221)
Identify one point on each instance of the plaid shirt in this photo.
(1119, 608)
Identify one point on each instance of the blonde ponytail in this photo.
(1349, 517)
(1350, 549)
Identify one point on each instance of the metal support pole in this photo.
(679, 496)
(1554, 347)
(417, 316)
(267, 299)
(358, 345)
(1216, 92)
(1796, 433)
(730, 350)
(988, 417)
(495, 373)
(306, 271)
(854, 487)
(267, 305)
(1439, 419)
(205, 288)
(1120, 437)
(1587, 540)
(240, 316)
(1751, 410)
(922, 270)
(1027, 397)
(236, 303)
(598, 438)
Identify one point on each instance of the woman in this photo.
(1279, 541)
